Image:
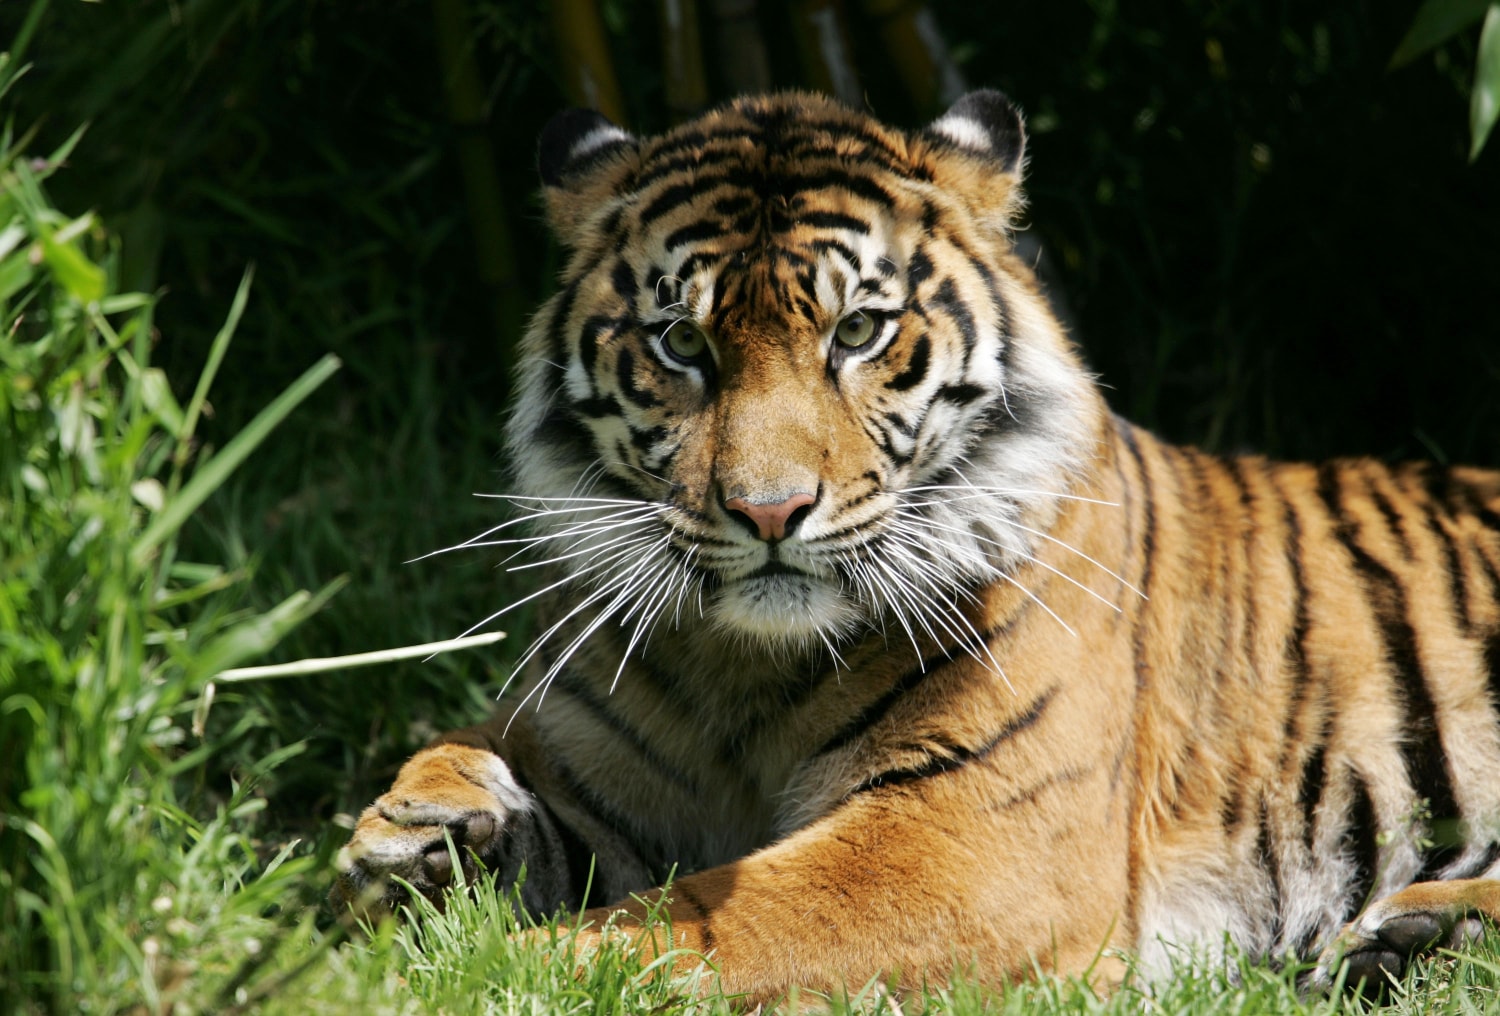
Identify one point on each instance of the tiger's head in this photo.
(796, 382)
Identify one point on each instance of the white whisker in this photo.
(998, 573)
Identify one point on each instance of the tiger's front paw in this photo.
(466, 793)
(1378, 944)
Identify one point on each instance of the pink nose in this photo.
(770, 519)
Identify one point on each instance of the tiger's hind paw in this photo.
(1376, 947)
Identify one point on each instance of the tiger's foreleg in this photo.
(906, 894)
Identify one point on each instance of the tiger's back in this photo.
(860, 604)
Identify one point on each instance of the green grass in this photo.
(131, 881)
(162, 850)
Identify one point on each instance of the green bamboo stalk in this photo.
(823, 45)
(683, 79)
(489, 225)
(588, 73)
(919, 52)
(741, 49)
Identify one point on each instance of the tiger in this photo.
(862, 616)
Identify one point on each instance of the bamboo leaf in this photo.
(1484, 101)
(1435, 23)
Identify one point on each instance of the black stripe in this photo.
(688, 897)
(1047, 782)
(562, 429)
(598, 328)
(957, 756)
(734, 205)
(645, 440)
(919, 269)
(1299, 673)
(900, 425)
(963, 394)
(672, 197)
(1433, 517)
(916, 366)
(1314, 780)
(897, 459)
(622, 278)
(598, 807)
(693, 232)
(655, 275)
(569, 683)
(1148, 552)
(1267, 861)
(625, 374)
(1479, 865)
(1126, 435)
(823, 245)
(1492, 666)
(1470, 501)
(949, 302)
(578, 855)
(1205, 505)
(594, 409)
(1250, 629)
(837, 177)
(834, 220)
(1298, 728)
(1422, 746)
(1392, 518)
(876, 711)
(1363, 840)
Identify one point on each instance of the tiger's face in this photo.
(795, 382)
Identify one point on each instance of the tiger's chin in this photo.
(784, 611)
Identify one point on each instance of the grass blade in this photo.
(213, 473)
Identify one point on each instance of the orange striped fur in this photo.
(861, 610)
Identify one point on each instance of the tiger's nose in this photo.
(772, 520)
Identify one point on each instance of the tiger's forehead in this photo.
(776, 139)
(770, 208)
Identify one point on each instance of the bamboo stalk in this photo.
(823, 45)
(588, 72)
(684, 82)
(920, 53)
(741, 49)
(489, 226)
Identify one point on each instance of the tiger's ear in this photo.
(986, 129)
(582, 158)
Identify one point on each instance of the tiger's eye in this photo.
(855, 330)
(685, 341)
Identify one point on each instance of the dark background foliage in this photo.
(1262, 237)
